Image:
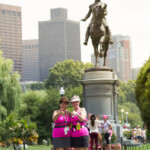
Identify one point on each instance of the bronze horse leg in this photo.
(96, 53)
(105, 47)
(101, 41)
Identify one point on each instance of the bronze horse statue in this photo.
(98, 32)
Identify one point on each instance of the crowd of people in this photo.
(74, 130)
(137, 134)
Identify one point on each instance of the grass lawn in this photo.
(36, 147)
(43, 147)
(39, 147)
(142, 147)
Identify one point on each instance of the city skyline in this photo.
(30, 55)
(11, 35)
(124, 18)
(119, 58)
(59, 39)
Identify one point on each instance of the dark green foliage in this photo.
(75, 91)
(46, 109)
(127, 101)
(30, 103)
(10, 88)
(11, 127)
(127, 92)
(67, 74)
(133, 117)
(143, 93)
(36, 86)
(38, 106)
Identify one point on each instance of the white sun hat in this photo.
(75, 98)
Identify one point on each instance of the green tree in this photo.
(133, 116)
(38, 106)
(5, 127)
(75, 91)
(30, 109)
(9, 87)
(36, 86)
(3, 111)
(143, 93)
(11, 127)
(30, 102)
(46, 109)
(127, 92)
(67, 73)
(127, 101)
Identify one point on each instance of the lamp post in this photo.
(61, 91)
(122, 110)
(126, 117)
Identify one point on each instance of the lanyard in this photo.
(65, 118)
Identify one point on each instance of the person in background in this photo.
(138, 133)
(80, 133)
(106, 126)
(100, 139)
(61, 132)
(88, 126)
(143, 134)
(93, 125)
(134, 133)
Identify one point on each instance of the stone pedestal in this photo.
(100, 93)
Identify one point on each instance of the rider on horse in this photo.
(91, 10)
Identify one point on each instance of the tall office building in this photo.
(135, 72)
(11, 34)
(30, 55)
(119, 57)
(59, 39)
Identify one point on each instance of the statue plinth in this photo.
(104, 68)
(100, 93)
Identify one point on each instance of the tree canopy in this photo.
(67, 74)
(38, 106)
(127, 101)
(133, 117)
(127, 92)
(9, 87)
(36, 86)
(143, 93)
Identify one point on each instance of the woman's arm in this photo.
(57, 113)
(109, 127)
(83, 115)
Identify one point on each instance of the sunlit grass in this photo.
(30, 147)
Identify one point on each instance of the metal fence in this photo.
(142, 146)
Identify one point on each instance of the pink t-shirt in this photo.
(83, 130)
(63, 122)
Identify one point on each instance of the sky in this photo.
(125, 17)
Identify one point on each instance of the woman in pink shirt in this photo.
(80, 134)
(62, 131)
(106, 126)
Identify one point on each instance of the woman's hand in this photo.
(74, 113)
(61, 113)
(82, 115)
(57, 113)
(106, 131)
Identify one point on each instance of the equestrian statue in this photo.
(98, 30)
